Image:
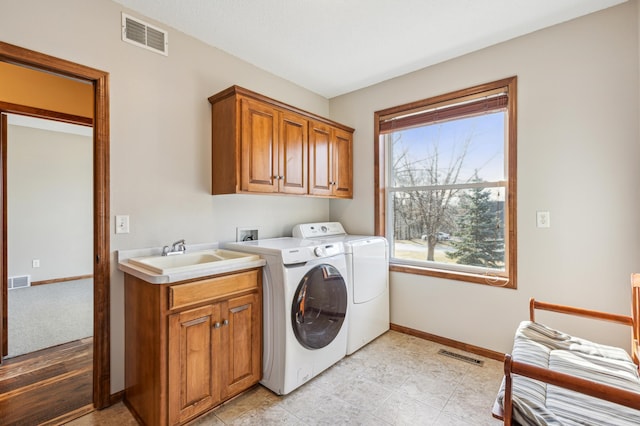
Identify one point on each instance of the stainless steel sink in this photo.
(165, 265)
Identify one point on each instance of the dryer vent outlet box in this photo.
(246, 234)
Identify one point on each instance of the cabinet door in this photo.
(194, 345)
(330, 161)
(342, 173)
(259, 141)
(320, 159)
(293, 146)
(242, 338)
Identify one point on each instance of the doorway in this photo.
(49, 181)
(101, 249)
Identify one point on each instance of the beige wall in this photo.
(50, 203)
(578, 156)
(160, 132)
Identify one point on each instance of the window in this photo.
(446, 184)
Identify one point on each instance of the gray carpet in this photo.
(48, 315)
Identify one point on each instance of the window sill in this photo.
(493, 281)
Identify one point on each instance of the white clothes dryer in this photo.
(305, 308)
(368, 278)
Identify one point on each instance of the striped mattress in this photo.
(537, 403)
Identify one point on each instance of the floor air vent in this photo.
(19, 281)
(141, 34)
(460, 357)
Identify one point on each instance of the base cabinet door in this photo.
(194, 353)
(242, 340)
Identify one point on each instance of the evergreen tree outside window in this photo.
(446, 187)
(480, 241)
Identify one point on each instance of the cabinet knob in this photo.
(225, 322)
(216, 325)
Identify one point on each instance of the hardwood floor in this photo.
(49, 386)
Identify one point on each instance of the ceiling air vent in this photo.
(141, 34)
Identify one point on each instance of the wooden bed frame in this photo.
(588, 387)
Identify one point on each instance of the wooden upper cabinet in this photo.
(260, 145)
(330, 161)
(320, 159)
(342, 163)
(293, 154)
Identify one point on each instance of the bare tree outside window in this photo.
(425, 214)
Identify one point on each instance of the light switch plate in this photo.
(122, 224)
(543, 219)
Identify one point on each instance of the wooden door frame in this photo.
(101, 243)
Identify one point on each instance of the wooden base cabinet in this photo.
(201, 346)
(260, 145)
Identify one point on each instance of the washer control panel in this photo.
(305, 254)
(319, 229)
(327, 250)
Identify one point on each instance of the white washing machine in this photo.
(305, 308)
(368, 278)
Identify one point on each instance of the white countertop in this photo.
(144, 274)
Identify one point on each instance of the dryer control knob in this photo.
(319, 252)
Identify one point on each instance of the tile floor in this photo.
(396, 380)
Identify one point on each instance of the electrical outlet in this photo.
(35, 263)
(543, 220)
(246, 234)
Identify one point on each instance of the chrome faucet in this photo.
(178, 247)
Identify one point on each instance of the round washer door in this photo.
(319, 306)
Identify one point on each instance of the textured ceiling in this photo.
(332, 47)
